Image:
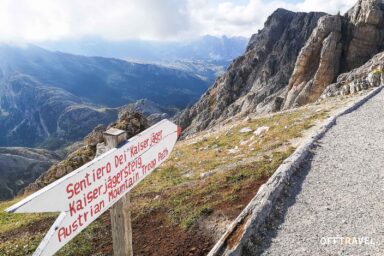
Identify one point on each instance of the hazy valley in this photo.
(43, 92)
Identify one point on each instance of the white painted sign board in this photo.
(86, 193)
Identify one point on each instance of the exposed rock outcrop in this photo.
(371, 74)
(338, 44)
(318, 63)
(365, 32)
(255, 81)
(152, 111)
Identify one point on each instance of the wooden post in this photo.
(120, 211)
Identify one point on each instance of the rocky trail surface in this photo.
(334, 203)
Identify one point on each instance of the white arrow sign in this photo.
(86, 193)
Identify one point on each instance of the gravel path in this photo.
(335, 204)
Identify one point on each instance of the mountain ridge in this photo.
(202, 48)
(338, 44)
(269, 78)
(257, 79)
(49, 98)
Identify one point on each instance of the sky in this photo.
(29, 21)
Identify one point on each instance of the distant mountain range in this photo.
(204, 48)
(105, 81)
(52, 97)
(49, 98)
(207, 56)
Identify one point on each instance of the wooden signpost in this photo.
(86, 193)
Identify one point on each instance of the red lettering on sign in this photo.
(139, 147)
(156, 137)
(65, 232)
(119, 160)
(100, 172)
(162, 155)
(148, 167)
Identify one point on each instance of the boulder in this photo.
(374, 79)
(261, 131)
(246, 130)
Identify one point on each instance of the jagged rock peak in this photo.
(338, 44)
(255, 81)
(318, 63)
(366, 11)
(290, 62)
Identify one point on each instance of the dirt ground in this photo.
(156, 235)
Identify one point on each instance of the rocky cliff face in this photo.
(318, 62)
(255, 81)
(290, 62)
(338, 44)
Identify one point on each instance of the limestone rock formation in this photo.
(365, 32)
(290, 62)
(318, 63)
(255, 81)
(371, 74)
(338, 44)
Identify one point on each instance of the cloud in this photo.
(36, 20)
(39, 20)
(234, 19)
(230, 18)
(329, 6)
